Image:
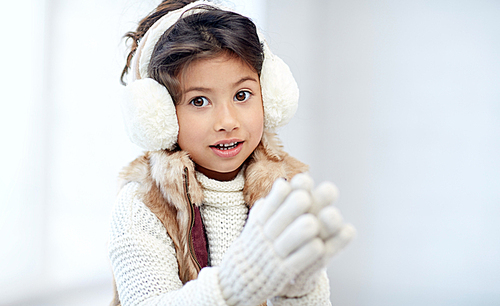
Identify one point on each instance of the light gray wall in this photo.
(400, 106)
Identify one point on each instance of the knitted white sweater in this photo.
(143, 256)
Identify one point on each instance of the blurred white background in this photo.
(400, 106)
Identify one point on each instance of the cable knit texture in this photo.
(142, 255)
(224, 213)
(316, 297)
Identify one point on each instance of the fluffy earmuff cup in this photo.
(280, 92)
(149, 115)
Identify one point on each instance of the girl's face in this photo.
(220, 114)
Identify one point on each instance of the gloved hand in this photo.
(279, 241)
(335, 234)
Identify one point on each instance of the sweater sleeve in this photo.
(144, 262)
(320, 296)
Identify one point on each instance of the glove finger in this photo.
(302, 230)
(305, 255)
(267, 206)
(331, 221)
(296, 204)
(325, 194)
(256, 208)
(302, 181)
(340, 240)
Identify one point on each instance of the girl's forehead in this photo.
(215, 70)
(224, 57)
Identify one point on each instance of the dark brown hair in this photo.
(199, 35)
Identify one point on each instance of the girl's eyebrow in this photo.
(244, 79)
(205, 89)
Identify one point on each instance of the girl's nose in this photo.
(227, 118)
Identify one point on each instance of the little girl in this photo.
(215, 213)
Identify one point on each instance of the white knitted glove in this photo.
(279, 240)
(334, 233)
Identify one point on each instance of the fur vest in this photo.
(169, 188)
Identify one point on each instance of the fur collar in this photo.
(169, 184)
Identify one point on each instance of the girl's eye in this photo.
(242, 96)
(199, 102)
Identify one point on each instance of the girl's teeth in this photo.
(226, 146)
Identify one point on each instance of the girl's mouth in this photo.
(226, 146)
(229, 149)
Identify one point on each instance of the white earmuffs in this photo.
(149, 111)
